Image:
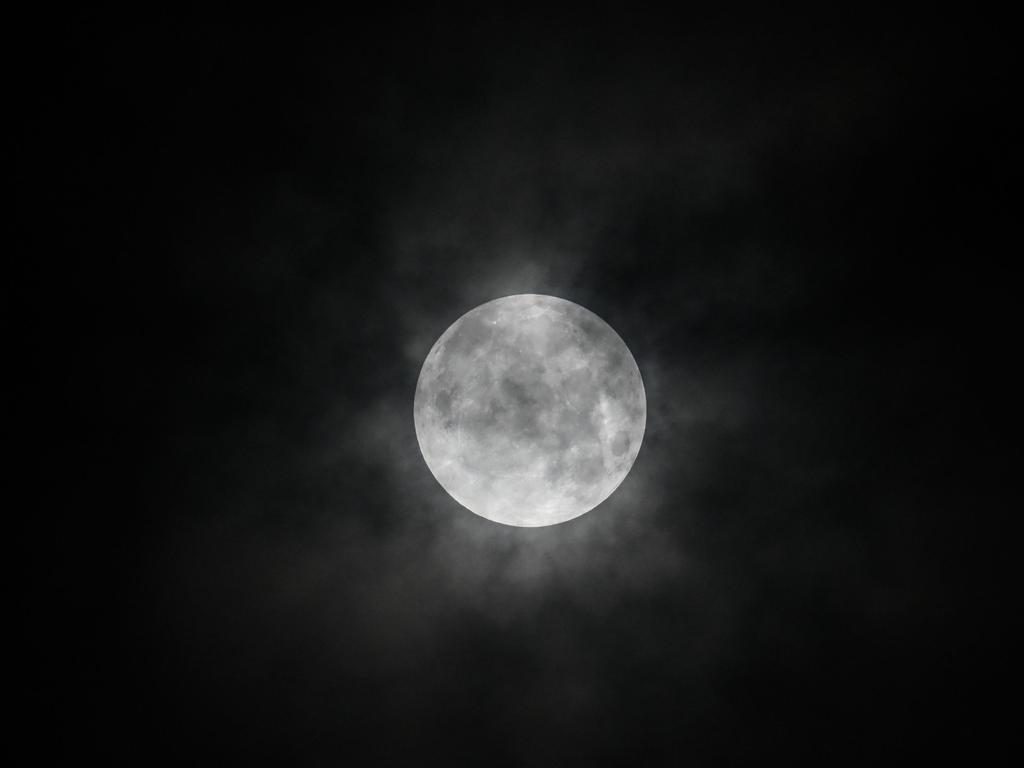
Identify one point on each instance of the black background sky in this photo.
(243, 242)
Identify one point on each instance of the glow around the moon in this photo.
(530, 410)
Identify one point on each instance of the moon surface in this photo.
(530, 410)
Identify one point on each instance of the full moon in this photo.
(530, 410)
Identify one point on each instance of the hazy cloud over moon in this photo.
(262, 237)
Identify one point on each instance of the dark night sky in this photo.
(241, 245)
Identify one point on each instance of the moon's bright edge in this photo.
(530, 410)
